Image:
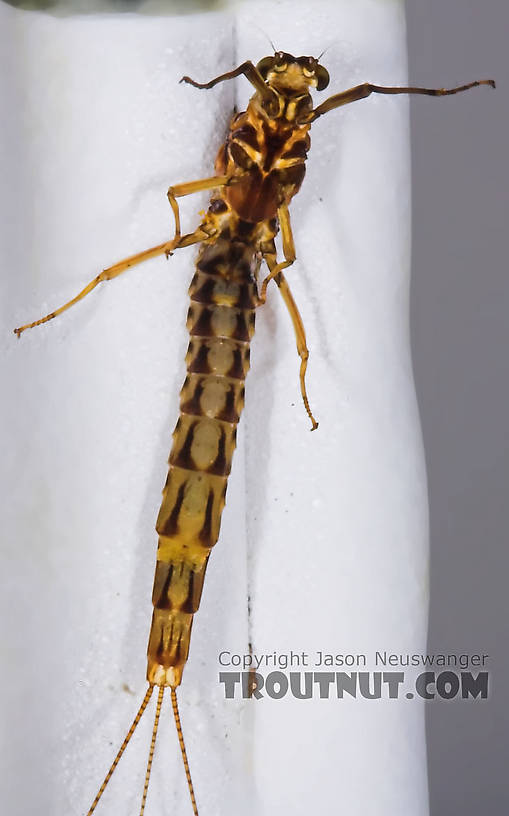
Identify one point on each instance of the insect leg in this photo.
(300, 336)
(366, 89)
(288, 251)
(180, 190)
(276, 273)
(249, 71)
(117, 269)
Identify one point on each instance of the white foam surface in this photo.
(327, 532)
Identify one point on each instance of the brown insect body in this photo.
(264, 158)
(259, 169)
(221, 323)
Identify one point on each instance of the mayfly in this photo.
(258, 170)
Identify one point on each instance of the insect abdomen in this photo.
(221, 324)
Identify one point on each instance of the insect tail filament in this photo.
(152, 748)
(180, 734)
(132, 729)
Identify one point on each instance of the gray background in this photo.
(460, 339)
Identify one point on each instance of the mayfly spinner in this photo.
(258, 170)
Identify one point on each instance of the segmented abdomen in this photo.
(221, 323)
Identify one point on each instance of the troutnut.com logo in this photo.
(448, 677)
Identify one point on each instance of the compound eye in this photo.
(265, 65)
(280, 62)
(322, 76)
